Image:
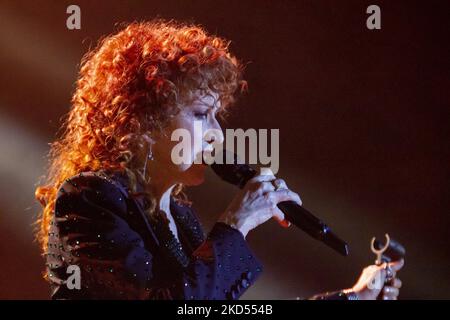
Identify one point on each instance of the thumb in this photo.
(283, 222)
(397, 265)
(278, 215)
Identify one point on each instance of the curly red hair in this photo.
(127, 86)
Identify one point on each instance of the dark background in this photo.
(363, 118)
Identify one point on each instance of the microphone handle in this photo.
(306, 221)
(239, 174)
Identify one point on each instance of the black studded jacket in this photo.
(120, 254)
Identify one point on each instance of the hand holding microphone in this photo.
(257, 202)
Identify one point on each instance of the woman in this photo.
(113, 202)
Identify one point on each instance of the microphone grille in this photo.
(231, 171)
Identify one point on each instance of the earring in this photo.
(144, 171)
(149, 140)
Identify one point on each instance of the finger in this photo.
(266, 186)
(390, 272)
(266, 171)
(397, 265)
(396, 282)
(261, 178)
(390, 291)
(277, 214)
(260, 186)
(284, 223)
(283, 195)
(280, 184)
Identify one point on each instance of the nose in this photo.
(214, 133)
(214, 136)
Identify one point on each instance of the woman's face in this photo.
(198, 125)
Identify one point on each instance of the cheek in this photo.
(194, 130)
(196, 133)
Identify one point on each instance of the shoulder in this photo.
(92, 189)
(88, 180)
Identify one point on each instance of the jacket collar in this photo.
(189, 227)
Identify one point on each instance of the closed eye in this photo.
(201, 115)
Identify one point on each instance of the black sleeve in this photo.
(335, 295)
(93, 233)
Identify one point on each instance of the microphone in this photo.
(239, 174)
